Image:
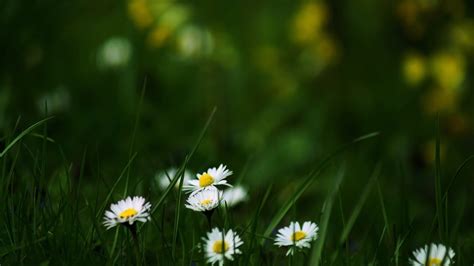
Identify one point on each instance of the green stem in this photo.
(209, 218)
(136, 243)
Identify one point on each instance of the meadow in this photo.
(146, 132)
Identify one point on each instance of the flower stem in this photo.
(209, 218)
(136, 243)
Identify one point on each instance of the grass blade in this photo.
(358, 207)
(181, 169)
(307, 182)
(23, 134)
(438, 195)
(326, 214)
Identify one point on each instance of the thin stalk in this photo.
(208, 215)
(136, 243)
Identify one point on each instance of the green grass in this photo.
(55, 218)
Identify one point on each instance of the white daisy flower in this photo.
(219, 247)
(437, 252)
(164, 178)
(204, 200)
(213, 177)
(128, 211)
(296, 236)
(234, 195)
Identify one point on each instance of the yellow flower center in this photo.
(128, 213)
(298, 235)
(205, 180)
(220, 247)
(206, 202)
(434, 262)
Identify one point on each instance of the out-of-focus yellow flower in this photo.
(158, 36)
(174, 16)
(440, 100)
(308, 22)
(448, 70)
(414, 69)
(140, 13)
(170, 19)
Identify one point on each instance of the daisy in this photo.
(204, 200)
(234, 195)
(164, 178)
(296, 236)
(213, 177)
(437, 254)
(127, 211)
(219, 247)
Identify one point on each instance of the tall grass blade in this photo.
(438, 193)
(23, 134)
(326, 214)
(307, 182)
(181, 169)
(358, 207)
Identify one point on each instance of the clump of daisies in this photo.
(213, 177)
(164, 178)
(205, 195)
(220, 246)
(433, 255)
(297, 237)
(127, 212)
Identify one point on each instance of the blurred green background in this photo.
(292, 81)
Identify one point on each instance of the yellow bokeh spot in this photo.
(220, 247)
(434, 262)
(298, 235)
(206, 202)
(414, 69)
(448, 70)
(308, 22)
(140, 13)
(205, 180)
(128, 213)
(158, 36)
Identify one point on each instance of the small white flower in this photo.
(296, 236)
(204, 200)
(127, 211)
(164, 178)
(437, 254)
(194, 42)
(234, 195)
(213, 177)
(219, 247)
(114, 53)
